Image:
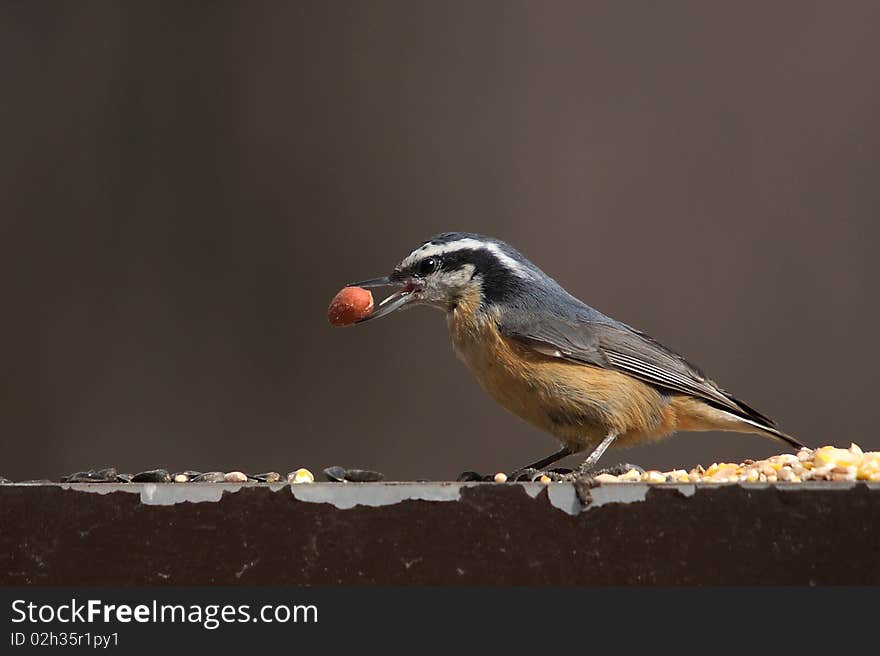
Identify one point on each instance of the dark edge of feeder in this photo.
(440, 534)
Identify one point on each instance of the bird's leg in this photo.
(590, 463)
(549, 460)
(586, 469)
(530, 471)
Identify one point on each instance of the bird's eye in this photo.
(428, 266)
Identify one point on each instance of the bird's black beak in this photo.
(384, 281)
(394, 302)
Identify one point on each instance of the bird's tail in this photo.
(771, 432)
(763, 424)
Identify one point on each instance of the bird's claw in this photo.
(618, 469)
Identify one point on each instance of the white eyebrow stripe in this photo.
(428, 250)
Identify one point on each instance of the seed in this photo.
(152, 476)
(500, 477)
(606, 478)
(90, 476)
(363, 476)
(829, 455)
(786, 474)
(209, 477)
(632, 476)
(863, 473)
(653, 476)
(107, 475)
(300, 476)
(677, 476)
(805, 454)
(336, 474)
(185, 476)
(235, 477)
(268, 477)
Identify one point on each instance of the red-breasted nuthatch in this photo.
(553, 360)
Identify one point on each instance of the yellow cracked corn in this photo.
(300, 476)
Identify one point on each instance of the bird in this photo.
(561, 365)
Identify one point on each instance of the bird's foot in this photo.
(589, 473)
(532, 474)
(618, 469)
(525, 474)
(557, 474)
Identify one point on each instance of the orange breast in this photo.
(579, 404)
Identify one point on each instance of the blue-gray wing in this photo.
(616, 346)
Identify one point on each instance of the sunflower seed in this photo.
(363, 476)
(152, 476)
(210, 477)
(334, 474)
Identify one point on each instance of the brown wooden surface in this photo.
(494, 534)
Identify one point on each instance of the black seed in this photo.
(209, 477)
(91, 476)
(78, 477)
(268, 477)
(363, 476)
(561, 470)
(468, 476)
(124, 478)
(334, 474)
(152, 476)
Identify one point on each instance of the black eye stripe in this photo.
(457, 259)
(498, 282)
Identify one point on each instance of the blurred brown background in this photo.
(186, 185)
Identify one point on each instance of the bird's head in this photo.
(453, 266)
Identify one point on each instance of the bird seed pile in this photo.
(827, 463)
